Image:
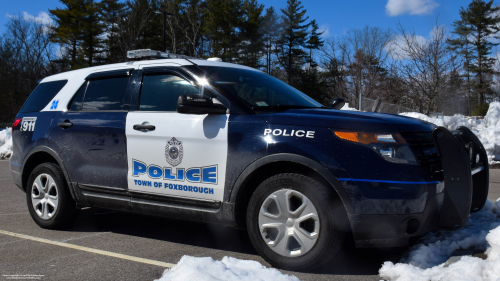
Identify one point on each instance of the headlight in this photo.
(391, 147)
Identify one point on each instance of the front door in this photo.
(171, 153)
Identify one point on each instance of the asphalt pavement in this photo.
(110, 245)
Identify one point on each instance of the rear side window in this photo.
(161, 92)
(102, 94)
(42, 95)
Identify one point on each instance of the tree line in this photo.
(453, 71)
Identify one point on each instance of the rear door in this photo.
(180, 155)
(90, 136)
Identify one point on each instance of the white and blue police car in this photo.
(217, 142)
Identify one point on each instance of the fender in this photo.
(52, 153)
(287, 157)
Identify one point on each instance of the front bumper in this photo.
(394, 230)
(464, 192)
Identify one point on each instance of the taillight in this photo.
(16, 122)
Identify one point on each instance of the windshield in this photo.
(256, 89)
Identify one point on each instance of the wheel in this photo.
(49, 201)
(295, 222)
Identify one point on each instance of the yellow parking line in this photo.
(90, 250)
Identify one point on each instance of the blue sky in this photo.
(335, 17)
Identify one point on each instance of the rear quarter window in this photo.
(105, 94)
(42, 95)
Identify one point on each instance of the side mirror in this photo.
(337, 103)
(197, 104)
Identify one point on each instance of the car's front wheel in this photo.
(49, 201)
(295, 222)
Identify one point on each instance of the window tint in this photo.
(77, 102)
(161, 92)
(105, 94)
(42, 95)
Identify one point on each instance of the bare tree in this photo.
(359, 63)
(174, 29)
(192, 14)
(133, 24)
(426, 66)
(332, 61)
(26, 56)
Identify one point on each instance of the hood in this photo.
(348, 120)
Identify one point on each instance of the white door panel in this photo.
(184, 156)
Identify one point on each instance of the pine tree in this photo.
(222, 28)
(271, 32)
(463, 47)
(482, 18)
(67, 29)
(111, 13)
(252, 34)
(314, 42)
(92, 29)
(80, 26)
(293, 38)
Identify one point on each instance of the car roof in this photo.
(82, 73)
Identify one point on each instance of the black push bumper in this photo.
(466, 179)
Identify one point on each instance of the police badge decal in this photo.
(174, 152)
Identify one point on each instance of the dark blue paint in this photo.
(16, 164)
(347, 120)
(24, 141)
(385, 181)
(94, 149)
(343, 159)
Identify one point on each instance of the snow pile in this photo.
(207, 269)
(487, 129)
(426, 261)
(5, 144)
(346, 107)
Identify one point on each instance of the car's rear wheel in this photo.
(49, 201)
(295, 222)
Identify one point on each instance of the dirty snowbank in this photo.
(5, 144)
(207, 269)
(487, 129)
(426, 260)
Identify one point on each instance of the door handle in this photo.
(65, 124)
(144, 127)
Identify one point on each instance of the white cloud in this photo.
(412, 7)
(395, 47)
(325, 28)
(42, 17)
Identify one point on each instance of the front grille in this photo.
(424, 149)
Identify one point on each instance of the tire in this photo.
(321, 234)
(49, 202)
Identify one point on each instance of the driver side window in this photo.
(160, 92)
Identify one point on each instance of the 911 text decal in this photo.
(28, 124)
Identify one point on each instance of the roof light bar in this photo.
(152, 54)
(146, 53)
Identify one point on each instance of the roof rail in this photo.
(152, 54)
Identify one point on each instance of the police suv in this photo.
(217, 142)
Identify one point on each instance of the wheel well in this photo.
(35, 160)
(262, 173)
